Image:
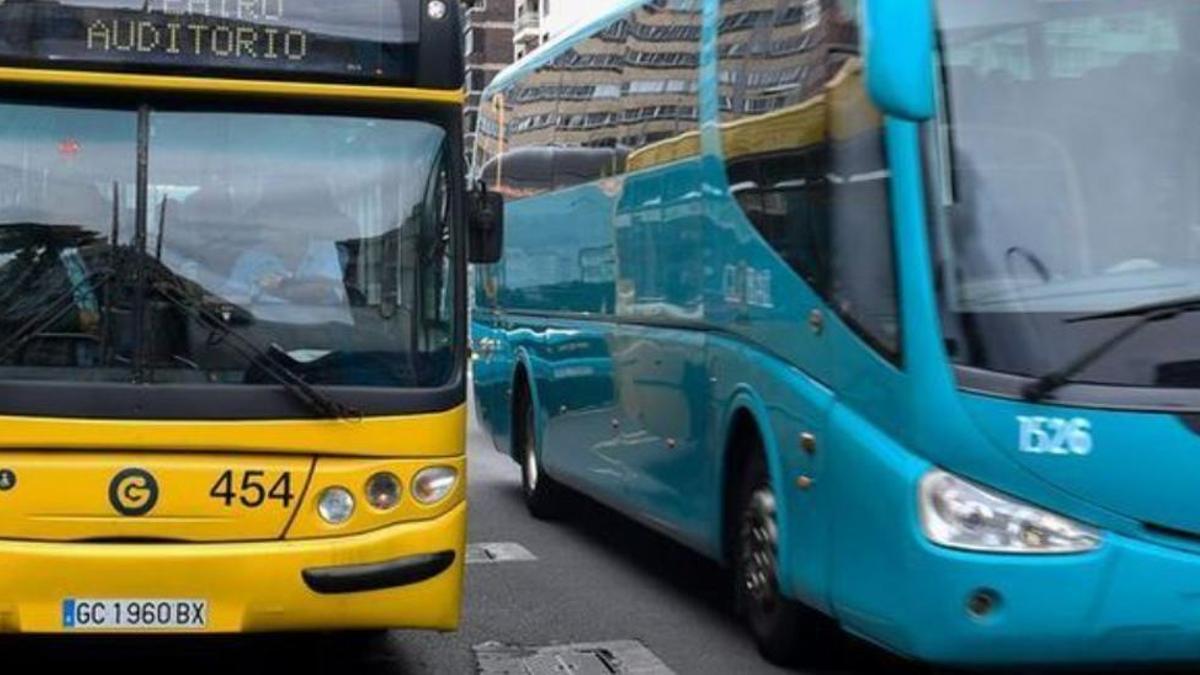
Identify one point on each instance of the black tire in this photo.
(787, 633)
(543, 496)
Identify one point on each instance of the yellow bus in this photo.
(233, 245)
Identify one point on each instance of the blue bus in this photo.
(883, 303)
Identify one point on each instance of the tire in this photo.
(787, 633)
(543, 496)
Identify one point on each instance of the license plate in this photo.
(134, 615)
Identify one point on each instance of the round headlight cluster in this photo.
(383, 492)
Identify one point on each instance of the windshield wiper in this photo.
(1146, 314)
(169, 287)
(64, 302)
(55, 309)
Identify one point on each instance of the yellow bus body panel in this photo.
(354, 474)
(430, 435)
(250, 587)
(217, 86)
(69, 496)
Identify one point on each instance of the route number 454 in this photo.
(1055, 435)
(252, 490)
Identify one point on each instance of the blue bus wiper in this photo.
(1146, 314)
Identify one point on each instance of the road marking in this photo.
(505, 551)
(623, 657)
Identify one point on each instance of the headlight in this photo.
(433, 484)
(959, 514)
(336, 505)
(383, 491)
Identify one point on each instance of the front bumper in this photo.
(1129, 602)
(1132, 600)
(259, 586)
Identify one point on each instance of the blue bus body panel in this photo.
(491, 374)
(686, 322)
(784, 403)
(1143, 466)
(1129, 601)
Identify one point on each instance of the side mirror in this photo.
(485, 225)
(898, 39)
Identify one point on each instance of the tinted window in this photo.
(619, 100)
(520, 173)
(516, 133)
(1064, 170)
(804, 151)
(634, 85)
(324, 240)
(627, 94)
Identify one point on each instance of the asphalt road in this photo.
(597, 578)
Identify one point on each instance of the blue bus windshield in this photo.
(1064, 168)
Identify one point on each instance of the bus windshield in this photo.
(324, 241)
(1065, 172)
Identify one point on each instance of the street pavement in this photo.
(597, 578)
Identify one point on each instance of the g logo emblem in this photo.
(133, 492)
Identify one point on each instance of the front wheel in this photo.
(786, 631)
(543, 496)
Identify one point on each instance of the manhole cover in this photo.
(496, 553)
(625, 657)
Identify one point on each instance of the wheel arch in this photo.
(523, 383)
(747, 430)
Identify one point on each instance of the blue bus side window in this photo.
(805, 157)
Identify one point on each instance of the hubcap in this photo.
(760, 549)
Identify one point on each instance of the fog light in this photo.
(383, 491)
(982, 603)
(433, 484)
(437, 10)
(336, 505)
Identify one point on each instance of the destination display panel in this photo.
(344, 40)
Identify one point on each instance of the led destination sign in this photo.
(344, 39)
